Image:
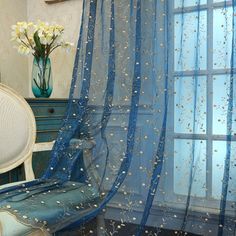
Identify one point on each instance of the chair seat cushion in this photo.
(9, 226)
(7, 221)
(54, 205)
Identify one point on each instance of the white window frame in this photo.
(209, 137)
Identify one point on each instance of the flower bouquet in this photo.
(40, 40)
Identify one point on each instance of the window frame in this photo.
(209, 137)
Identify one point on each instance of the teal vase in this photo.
(42, 77)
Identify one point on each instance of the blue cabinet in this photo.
(49, 114)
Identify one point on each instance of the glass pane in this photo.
(220, 105)
(222, 37)
(222, 1)
(189, 3)
(218, 161)
(188, 92)
(190, 155)
(190, 47)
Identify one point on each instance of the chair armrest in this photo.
(47, 146)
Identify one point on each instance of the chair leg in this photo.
(101, 225)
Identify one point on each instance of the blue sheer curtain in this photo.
(153, 87)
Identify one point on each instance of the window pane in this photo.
(220, 105)
(222, 38)
(189, 3)
(188, 43)
(218, 160)
(222, 1)
(189, 154)
(187, 90)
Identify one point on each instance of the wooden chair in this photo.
(17, 143)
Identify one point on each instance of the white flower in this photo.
(67, 46)
(22, 26)
(13, 27)
(23, 50)
(24, 35)
(30, 29)
(43, 39)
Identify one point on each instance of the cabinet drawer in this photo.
(46, 136)
(50, 123)
(48, 111)
(44, 108)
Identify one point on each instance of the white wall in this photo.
(67, 14)
(13, 67)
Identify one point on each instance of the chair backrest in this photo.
(17, 129)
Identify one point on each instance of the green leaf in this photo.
(39, 48)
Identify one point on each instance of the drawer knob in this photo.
(51, 110)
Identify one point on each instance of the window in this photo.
(200, 59)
